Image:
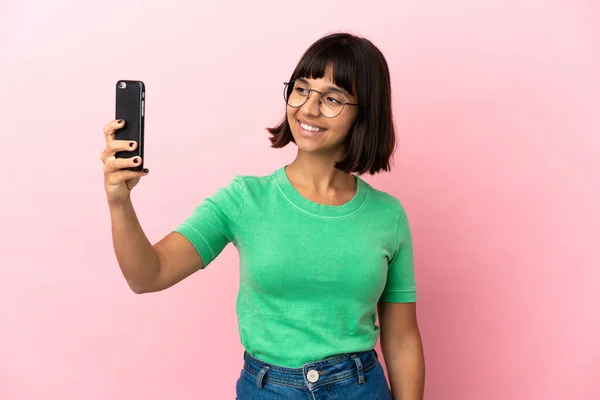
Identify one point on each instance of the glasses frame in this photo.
(286, 85)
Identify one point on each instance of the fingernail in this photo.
(146, 170)
(131, 144)
(136, 160)
(120, 121)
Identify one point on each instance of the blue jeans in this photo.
(353, 376)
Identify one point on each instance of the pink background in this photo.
(496, 105)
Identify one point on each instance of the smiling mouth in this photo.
(310, 128)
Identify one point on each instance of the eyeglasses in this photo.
(331, 103)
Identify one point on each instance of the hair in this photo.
(358, 67)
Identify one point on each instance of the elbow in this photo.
(138, 288)
(144, 277)
(143, 283)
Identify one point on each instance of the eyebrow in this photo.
(331, 87)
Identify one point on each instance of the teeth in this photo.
(311, 128)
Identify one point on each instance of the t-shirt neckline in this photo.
(321, 209)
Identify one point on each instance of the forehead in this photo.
(330, 76)
(323, 84)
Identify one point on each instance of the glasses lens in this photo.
(296, 93)
(331, 104)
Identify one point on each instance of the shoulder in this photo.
(385, 201)
(255, 184)
(391, 209)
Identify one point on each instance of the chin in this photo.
(314, 147)
(308, 147)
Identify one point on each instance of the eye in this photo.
(333, 99)
(301, 89)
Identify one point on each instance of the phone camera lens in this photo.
(122, 85)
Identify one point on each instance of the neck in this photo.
(318, 172)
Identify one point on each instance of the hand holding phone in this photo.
(122, 157)
(130, 104)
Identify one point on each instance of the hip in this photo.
(347, 376)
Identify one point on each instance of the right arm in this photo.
(146, 268)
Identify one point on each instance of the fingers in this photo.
(111, 128)
(112, 164)
(121, 145)
(113, 146)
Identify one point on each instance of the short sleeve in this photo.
(401, 286)
(211, 226)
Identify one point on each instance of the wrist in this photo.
(120, 205)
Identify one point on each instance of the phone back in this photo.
(130, 108)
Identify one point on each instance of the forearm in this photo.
(137, 258)
(406, 367)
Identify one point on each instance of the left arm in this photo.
(402, 349)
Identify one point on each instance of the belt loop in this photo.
(261, 375)
(359, 368)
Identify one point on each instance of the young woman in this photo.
(322, 253)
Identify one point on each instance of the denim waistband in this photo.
(313, 374)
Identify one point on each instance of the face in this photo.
(314, 132)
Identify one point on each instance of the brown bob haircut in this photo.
(357, 65)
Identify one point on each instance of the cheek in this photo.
(342, 128)
(291, 116)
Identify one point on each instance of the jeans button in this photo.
(312, 376)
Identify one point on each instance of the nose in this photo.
(311, 107)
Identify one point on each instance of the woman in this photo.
(321, 251)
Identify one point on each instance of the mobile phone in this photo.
(130, 99)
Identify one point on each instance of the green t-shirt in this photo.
(310, 274)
